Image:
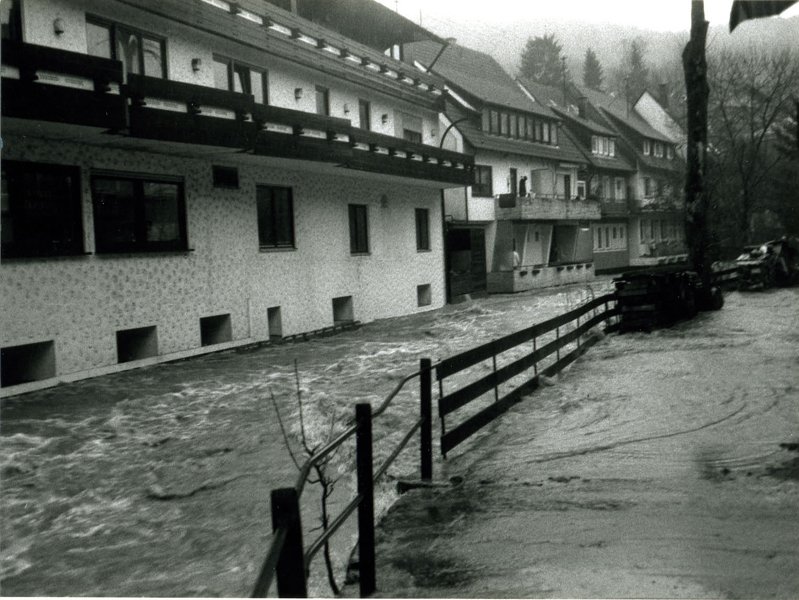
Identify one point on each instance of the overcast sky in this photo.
(660, 15)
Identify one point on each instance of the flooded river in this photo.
(156, 482)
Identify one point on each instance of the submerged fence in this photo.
(288, 560)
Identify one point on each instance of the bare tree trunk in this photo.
(696, 200)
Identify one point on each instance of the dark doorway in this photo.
(514, 183)
(466, 262)
(567, 187)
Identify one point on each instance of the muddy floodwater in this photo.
(156, 482)
(661, 465)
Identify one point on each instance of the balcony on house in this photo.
(57, 86)
(547, 207)
(173, 111)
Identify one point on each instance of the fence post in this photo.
(366, 509)
(291, 580)
(426, 430)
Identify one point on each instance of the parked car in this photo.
(769, 264)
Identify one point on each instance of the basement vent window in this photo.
(226, 177)
(342, 310)
(26, 363)
(424, 296)
(275, 323)
(215, 330)
(136, 344)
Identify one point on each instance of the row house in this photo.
(607, 177)
(182, 176)
(656, 224)
(524, 223)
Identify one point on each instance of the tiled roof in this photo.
(616, 109)
(475, 73)
(566, 151)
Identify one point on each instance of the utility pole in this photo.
(696, 201)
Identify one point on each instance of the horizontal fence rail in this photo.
(451, 402)
(288, 560)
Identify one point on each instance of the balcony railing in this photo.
(545, 207)
(48, 84)
(655, 203)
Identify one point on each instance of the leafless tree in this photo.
(751, 96)
(322, 469)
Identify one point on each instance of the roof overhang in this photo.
(365, 21)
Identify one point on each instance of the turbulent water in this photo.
(156, 482)
(661, 465)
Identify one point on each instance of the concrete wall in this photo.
(80, 302)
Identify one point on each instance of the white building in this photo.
(187, 176)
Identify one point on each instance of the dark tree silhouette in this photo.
(592, 71)
(541, 60)
(637, 69)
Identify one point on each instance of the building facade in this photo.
(188, 176)
(526, 196)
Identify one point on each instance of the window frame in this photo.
(14, 26)
(325, 96)
(480, 186)
(231, 65)
(114, 28)
(18, 211)
(647, 148)
(364, 109)
(292, 245)
(359, 220)
(142, 246)
(422, 216)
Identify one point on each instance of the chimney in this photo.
(664, 95)
(582, 107)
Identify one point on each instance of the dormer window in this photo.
(647, 148)
(670, 152)
(658, 150)
(603, 146)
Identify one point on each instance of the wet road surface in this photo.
(660, 465)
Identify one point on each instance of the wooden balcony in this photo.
(173, 111)
(545, 208)
(47, 84)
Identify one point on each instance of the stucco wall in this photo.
(81, 302)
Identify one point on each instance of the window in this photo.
(670, 152)
(658, 150)
(10, 19)
(235, 77)
(581, 190)
(647, 187)
(411, 128)
(538, 133)
(606, 187)
(422, 229)
(275, 216)
(612, 147)
(553, 134)
(364, 115)
(135, 213)
(503, 124)
(594, 144)
(359, 229)
(620, 191)
(41, 209)
(530, 134)
(494, 123)
(482, 182)
(225, 177)
(545, 137)
(647, 148)
(322, 101)
(139, 52)
(513, 131)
